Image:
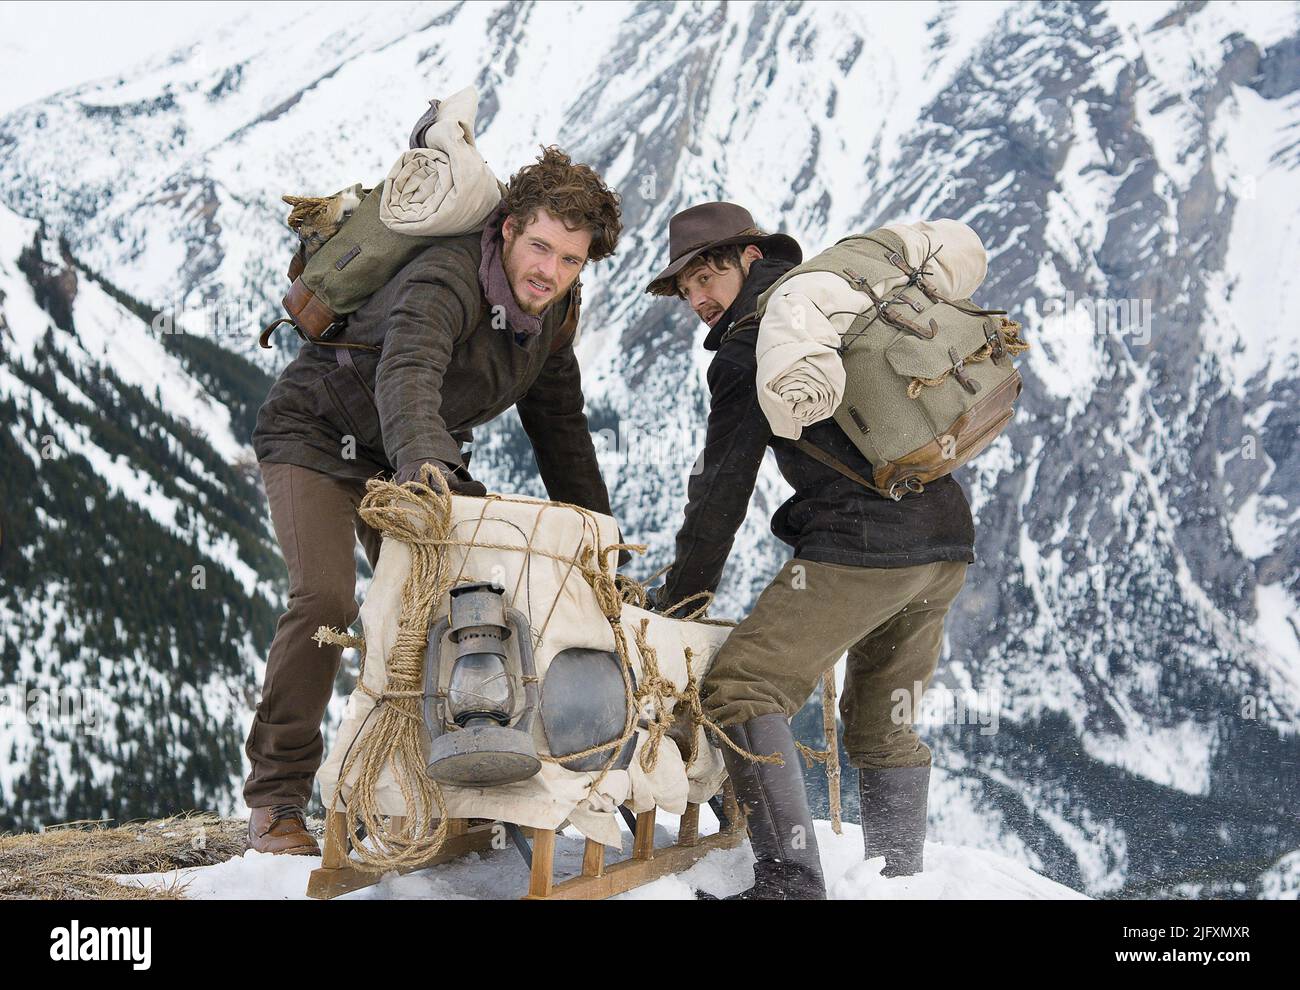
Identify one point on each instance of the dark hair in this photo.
(573, 194)
(720, 259)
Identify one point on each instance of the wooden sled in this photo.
(597, 880)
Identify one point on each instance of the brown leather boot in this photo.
(280, 829)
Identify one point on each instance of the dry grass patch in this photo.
(78, 860)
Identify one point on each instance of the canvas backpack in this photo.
(929, 381)
(347, 269)
(354, 242)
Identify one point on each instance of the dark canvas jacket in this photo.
(829, 518)
(443, 369)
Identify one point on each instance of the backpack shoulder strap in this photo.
(343, 355)
(569, 328)
(740, 326)
(835, 464)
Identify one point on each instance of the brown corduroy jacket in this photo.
(441, 370)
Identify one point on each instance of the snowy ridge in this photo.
(139, 359)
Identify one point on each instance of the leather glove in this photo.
(458, 480)
(653, 602)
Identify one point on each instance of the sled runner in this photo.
(597, 880)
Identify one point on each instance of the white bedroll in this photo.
(555, 564)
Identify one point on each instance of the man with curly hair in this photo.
(470, 327)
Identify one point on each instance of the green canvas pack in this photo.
(929, 381)
(345, 271)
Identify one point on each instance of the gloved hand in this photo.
(654, 602)
(458, 480)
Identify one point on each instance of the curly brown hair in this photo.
(573, 194)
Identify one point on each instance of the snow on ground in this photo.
(1277, 632)
(952, 873)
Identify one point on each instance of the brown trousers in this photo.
(316, 523)
(890, 620)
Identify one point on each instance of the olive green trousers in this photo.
(890, 622)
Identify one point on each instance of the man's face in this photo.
(542, 260)
(710, 291)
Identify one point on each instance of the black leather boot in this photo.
(894, 806)
(788, 866)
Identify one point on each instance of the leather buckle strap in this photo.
(892, 255)
(903, 323)
(265, 337)
(835, 464)
(882, 307)
(994, 339)
(959, 372)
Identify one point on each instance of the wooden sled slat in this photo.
(335, 854)
(643, 842)
(597, 880)
(688, 832)
(335, 876)
(543, 872)
(647, 863)
(618, 878)
(593, 859)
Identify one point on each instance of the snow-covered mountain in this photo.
(139, 579)
(1132, 621)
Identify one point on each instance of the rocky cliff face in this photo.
(1129, 635)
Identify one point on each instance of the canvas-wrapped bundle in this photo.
(603, 678)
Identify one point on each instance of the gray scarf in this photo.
(495, 285)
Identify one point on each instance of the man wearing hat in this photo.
(870, 576)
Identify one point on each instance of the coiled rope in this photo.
(1011, 342)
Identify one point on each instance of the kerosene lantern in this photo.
(481, 692)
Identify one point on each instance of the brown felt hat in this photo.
(714, 225)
